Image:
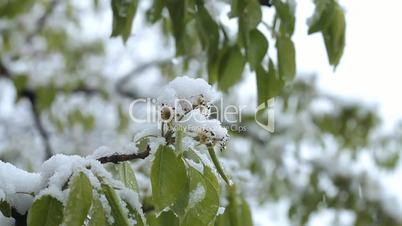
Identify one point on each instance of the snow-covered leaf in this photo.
(79, 200)
(97, 213)
(204, 199)
(118, 213)
(134, 213)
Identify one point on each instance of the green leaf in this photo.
(127, 176)
(46, 96)
(250, 15)
(155, 12)
(208, 30)
(204, 211)
(262, 85)
(137, 216)
(20, 82)
(214, 63)
(77, 117)
(97, 213)
(169, 180)
(257, 48)
(166, 218)
(323, 15)
(11, 9)
(177, 12)
(268, 83)
(211, 178)
(79, 200)
(123, 16)
(246, 217)
(249, 18)
(45, 211)
(237, 213)
(231, 68)
(330, 20)
(286, 15)
(5, 208)
(286, 58)
(334, 37)
(120, 217)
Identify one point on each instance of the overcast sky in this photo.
(371, 67)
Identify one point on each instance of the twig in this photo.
(141, 68)
(135, 71)
(81, 89)
(116, 158)
(31, 96)
(4, 71)
(40, 24)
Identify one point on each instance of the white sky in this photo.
(371, 66)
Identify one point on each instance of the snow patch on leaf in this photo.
(196, 196)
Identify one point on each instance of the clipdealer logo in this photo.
(148, 110)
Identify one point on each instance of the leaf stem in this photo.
(218, 166)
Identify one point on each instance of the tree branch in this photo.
(40, 24)
(4, 71)
(81, 89)
(135, 71)
(116, 158)
(31, 96)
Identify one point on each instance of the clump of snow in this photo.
(185, 104)
(188, 143)
(196, 196)
(198, 166)
(19, 188)
(57, 171)
(16, 186)
(107, 209)
(146, 130)
(101, 152)
(221, 211)
(154, 143)
(189, 89)
(6, 221)
(132, 199)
